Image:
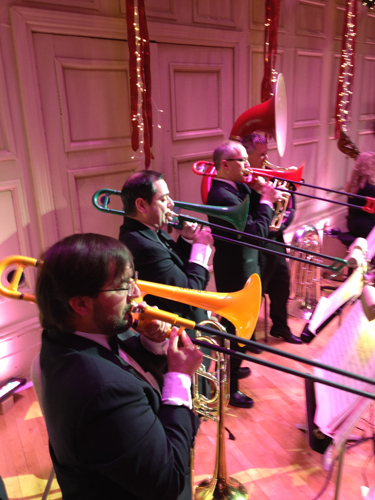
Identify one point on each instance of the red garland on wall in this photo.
(346, 72)
(270, 48)
(140, 78)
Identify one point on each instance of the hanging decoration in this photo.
(346, 72)
(369, 3)
(140, 78)
(270, 48)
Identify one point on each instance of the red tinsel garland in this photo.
(346, 73)
(145, 74)
(270, 47)
(146, 78)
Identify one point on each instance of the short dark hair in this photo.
(251, 140)
(139, 185)
(224, 151)
(77, 266)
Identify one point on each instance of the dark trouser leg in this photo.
(278, 292)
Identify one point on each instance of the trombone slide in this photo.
(140, 313)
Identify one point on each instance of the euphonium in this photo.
(304, 277)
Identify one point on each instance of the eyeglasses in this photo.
(241, 160)
(129, 286)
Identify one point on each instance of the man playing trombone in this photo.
(233, 264)
(118, 425)
(158, 257)
(274, 268)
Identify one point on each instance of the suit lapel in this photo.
(149, 234)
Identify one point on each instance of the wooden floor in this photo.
(270, 456)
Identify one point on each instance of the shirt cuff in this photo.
(200, 254)
(176, 389)
(158, 348)
(267, 202)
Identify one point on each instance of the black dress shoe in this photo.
(243, 372)
(287, 336)
(240, 400)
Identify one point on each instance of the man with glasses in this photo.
(234, 264)
(118, 413)
(274, 268)
(157, 256)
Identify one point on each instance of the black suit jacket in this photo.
(110, 436)
(360, 223)
(159, 264)
(234, 264)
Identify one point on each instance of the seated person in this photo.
(362, 182)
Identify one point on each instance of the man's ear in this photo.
(81, 305)
(141, 205)
(224, 165)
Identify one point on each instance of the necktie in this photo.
(113, 344)
(128, 359)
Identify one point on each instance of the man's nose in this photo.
(135, 293)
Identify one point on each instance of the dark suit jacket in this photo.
(156, 263)
(269, 262)
(234, 264)
(360, 222)
(110, 436)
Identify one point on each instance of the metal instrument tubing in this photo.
(327, 190)
(341, 262)
(366, 198)
(291, 371)
(104, 204)
(330, 267)
(283, 354)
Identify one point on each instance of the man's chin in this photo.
(128, 319)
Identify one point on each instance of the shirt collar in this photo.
(99, 338)
(231, 183)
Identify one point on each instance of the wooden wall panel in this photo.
(214, 12)
(365, 88)
(308, 81)
(107, 124)
(191, 86)
(83, 183)
(83, 4)
(162, 9)
(311, 19)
